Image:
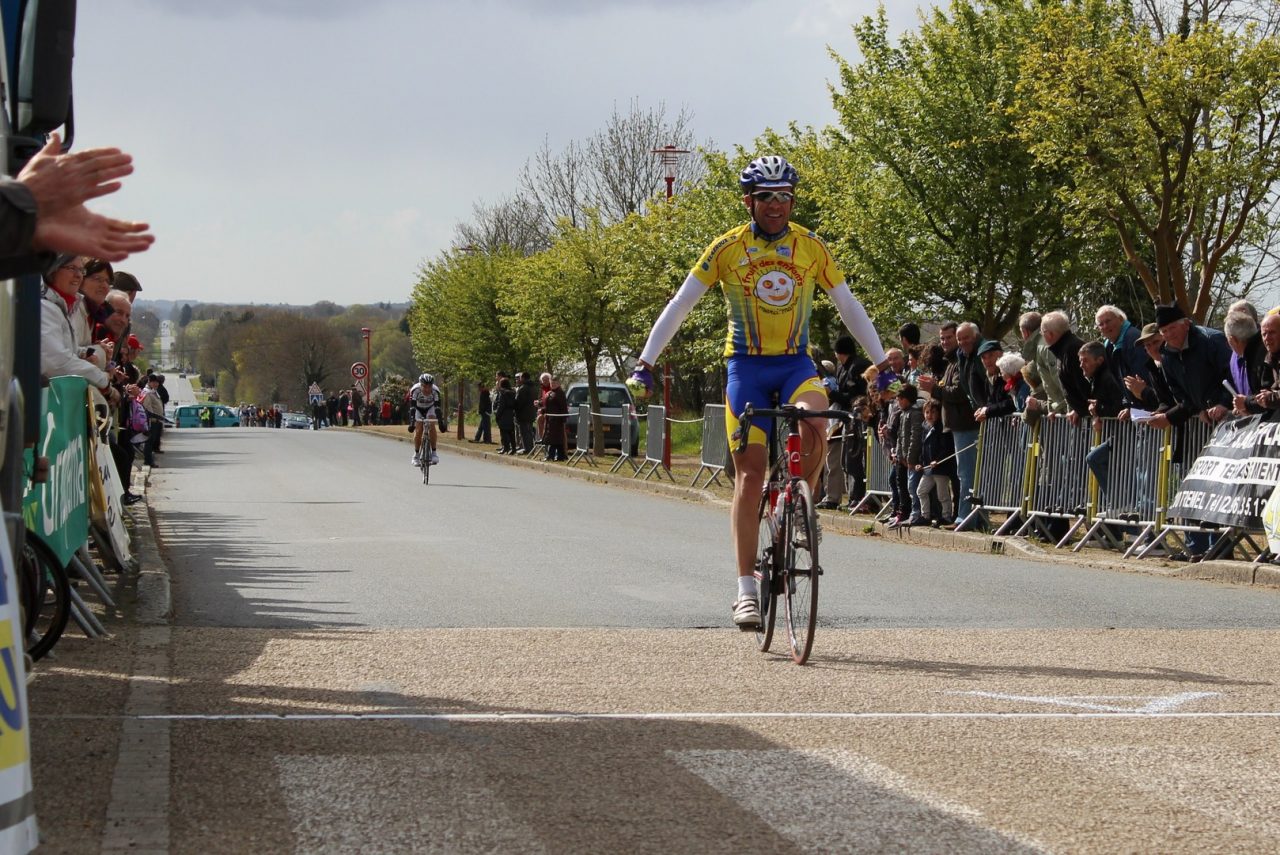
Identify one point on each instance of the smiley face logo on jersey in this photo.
(776, 288)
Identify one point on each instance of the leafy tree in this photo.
(184, 317)
(1170, 136)
(458, 327)
(929, 196)
(562, 305)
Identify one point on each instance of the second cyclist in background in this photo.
(769, 270)
(424, 402)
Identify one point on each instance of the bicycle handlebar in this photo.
(790, 412)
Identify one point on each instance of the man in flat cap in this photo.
(1195, 359)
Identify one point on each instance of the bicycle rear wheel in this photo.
(51, 599)
(766, 574)
(800, 572)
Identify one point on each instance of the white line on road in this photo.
(665, 716)
(1153, 703)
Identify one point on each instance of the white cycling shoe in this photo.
(746, 612)
(435, 458)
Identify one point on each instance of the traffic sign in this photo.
(359, 370)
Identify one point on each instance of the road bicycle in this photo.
(787, 564)
(424, 462)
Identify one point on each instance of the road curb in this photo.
(153, 602)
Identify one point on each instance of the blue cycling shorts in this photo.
(754, 380)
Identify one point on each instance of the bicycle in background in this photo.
(787, 562)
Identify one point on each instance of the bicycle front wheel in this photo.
(766, 572)
(51, 600)
(800, 572)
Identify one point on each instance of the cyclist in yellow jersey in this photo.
(769, 270)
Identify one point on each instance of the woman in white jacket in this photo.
(59, 353)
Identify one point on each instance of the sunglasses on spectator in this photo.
(772, 196)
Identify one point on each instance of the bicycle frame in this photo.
(784, 495)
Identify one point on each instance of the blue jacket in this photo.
(1125, 357)
(1196, 372)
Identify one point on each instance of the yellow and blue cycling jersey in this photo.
(768, 286)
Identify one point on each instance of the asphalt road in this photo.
(307, 529)
(508, 660)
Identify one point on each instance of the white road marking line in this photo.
(1154, 703)
(397, 803)
(665, 716)
(840, 801)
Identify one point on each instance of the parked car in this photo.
(296, 420)
(189, 415)
(615, 399)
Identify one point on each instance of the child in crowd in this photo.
(936, 467)
(906, 456)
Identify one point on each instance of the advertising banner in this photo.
(1232, 479)
(57, 511)
(106, 495)
(18, 832)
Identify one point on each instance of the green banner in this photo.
(58, 510)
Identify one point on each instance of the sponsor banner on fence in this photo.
(106, 498)
(17, 804)
(1232, 479)
(58, 510)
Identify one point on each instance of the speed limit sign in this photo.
(359, 370)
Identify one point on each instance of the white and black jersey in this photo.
(426, 401)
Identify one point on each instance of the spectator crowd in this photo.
(925, 407)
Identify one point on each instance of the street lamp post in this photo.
(365, 333)
(669, 155)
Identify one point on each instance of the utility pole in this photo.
(669, 155)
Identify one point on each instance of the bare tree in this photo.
(623, 172)
(557, 184)
(515, 223)
(1177, 16)
(615, 172)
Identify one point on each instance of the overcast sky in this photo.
(290, 151)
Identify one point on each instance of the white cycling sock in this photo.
(747, 586)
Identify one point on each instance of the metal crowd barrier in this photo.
(1059, 485)
(624, 442)
(1000, 478)
(715, 446)
(583, 449)
(878, 472)
(1133, 499)
(657, 421)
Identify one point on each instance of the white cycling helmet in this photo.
(768, 173)
(427, 380)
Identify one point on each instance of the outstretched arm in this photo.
(641, 381)
(671, 319)
(859, 323)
